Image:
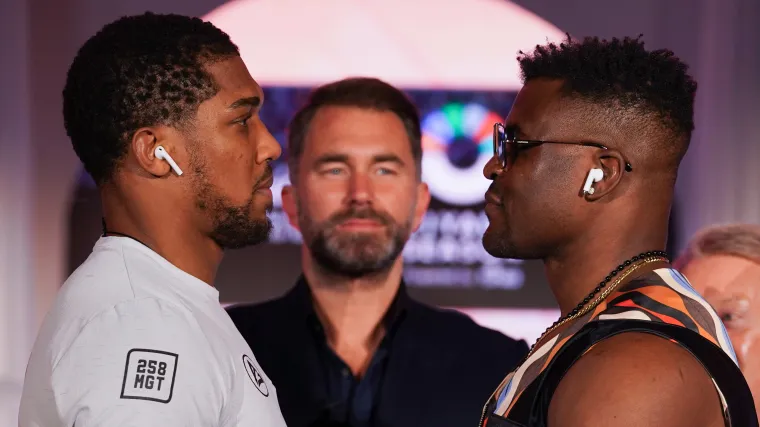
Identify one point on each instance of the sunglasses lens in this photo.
(499, 144)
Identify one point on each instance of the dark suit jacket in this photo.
(441, 370)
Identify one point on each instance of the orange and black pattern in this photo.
(662, 297)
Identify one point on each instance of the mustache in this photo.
(363, 213)
(266, 176)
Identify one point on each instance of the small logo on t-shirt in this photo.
(255, 375)
(149, 375)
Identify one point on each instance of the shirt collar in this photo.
(392, 318)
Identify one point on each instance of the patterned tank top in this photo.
(661, 303)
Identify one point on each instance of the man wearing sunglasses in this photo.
(583, 175)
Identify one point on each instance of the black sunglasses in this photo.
(505, 146)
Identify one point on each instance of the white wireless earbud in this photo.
(163, 155)
(594, 175)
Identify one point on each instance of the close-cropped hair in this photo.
(624, 78)
(360, 92)
(138, 71)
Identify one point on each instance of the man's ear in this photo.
(144, 143)
(290, 205)
(423, 202)
(612, 164)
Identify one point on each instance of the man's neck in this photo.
(352, 309)
(573, 274)
(176, 240)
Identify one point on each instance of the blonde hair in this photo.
(740, 240)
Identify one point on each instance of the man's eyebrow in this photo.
(331, 158)
(344, 158)
(392, 158)
(250, 102)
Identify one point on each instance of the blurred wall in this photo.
(719, 179)
(16, 274)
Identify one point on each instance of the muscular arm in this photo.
(636, 380)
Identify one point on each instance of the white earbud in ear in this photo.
(594, 175)
(163, 155)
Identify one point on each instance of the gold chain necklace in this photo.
(623, 270)
(595, 302)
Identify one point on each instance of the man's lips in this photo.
(492, 198)
(360, 223)
(265, 184)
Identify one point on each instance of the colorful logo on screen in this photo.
(457, 143)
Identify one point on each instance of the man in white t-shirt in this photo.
(164, 116)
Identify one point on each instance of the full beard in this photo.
(354, 254)
(232, 225)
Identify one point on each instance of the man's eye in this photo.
(244, 121)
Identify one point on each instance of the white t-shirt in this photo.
(133, 341)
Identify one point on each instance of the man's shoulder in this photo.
(96, 323)
(243, 314)
(266, 324)
(103, 275)
(92, 297)
(114, 273)
(431, 327)
(642, 365)
(450, 324)
(143, 320)
(124, 356)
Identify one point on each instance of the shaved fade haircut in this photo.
(647, 92)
